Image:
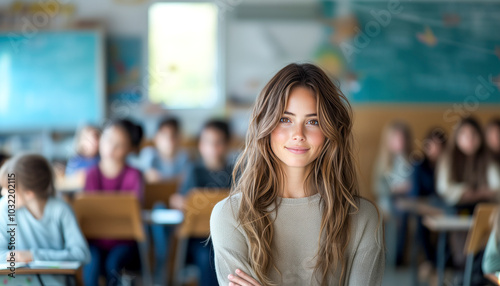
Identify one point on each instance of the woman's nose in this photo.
(298, 134)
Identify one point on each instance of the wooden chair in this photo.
(159, 192)
(113, 216)
(478, 236)
(199, 205)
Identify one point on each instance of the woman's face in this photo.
(493, 138)
(468, 140)
(297, 139)
(114, 144)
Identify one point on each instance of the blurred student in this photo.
(393, 175)
(87, 151)
(87, 156)
(113, 175)
(46, 227)
(492, 135)
(166, 160)
(465, 177)
(423, 186)
(214, 168)
(212, 171)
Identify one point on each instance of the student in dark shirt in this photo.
(424, 185)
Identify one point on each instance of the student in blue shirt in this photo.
(166, 160)
(46, 227)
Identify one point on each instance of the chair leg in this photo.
(146, 268)
(468, 269)
(180, 259)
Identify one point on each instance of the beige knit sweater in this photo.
(295, 243)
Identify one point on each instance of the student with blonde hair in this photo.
(393, 179)
(294, 216)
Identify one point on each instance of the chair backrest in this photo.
(198, 208)
(159, 192)
(109, 216)
(481, 228)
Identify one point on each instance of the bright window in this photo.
(183, 55)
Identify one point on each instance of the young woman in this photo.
(46, 227)
(294, 216)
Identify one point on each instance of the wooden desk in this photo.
(75, 274)
(444, 224)
(417, 208)
(49, 271)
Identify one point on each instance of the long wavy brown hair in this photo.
(259, 178)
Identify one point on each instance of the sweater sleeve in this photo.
(450, 191)
(368, 262)
(491, 258)
(230, 245)
(75, 245)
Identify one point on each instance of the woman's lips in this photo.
(297, 150)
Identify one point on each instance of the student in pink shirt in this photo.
(112, 175)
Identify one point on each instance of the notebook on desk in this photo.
(44, 265)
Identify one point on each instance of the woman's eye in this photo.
(284, 120)
(313, 122)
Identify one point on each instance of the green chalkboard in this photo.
(425, 52)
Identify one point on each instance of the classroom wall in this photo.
(369, 122)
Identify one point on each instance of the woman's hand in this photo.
(242, 279)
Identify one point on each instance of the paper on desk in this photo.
(54, 264)
(7, 265)
(44, 265)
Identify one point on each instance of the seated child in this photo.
(46, 228)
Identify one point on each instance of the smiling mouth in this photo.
(297, 150)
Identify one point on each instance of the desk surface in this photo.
(49, 271)
(448, 223)
(419, 207)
